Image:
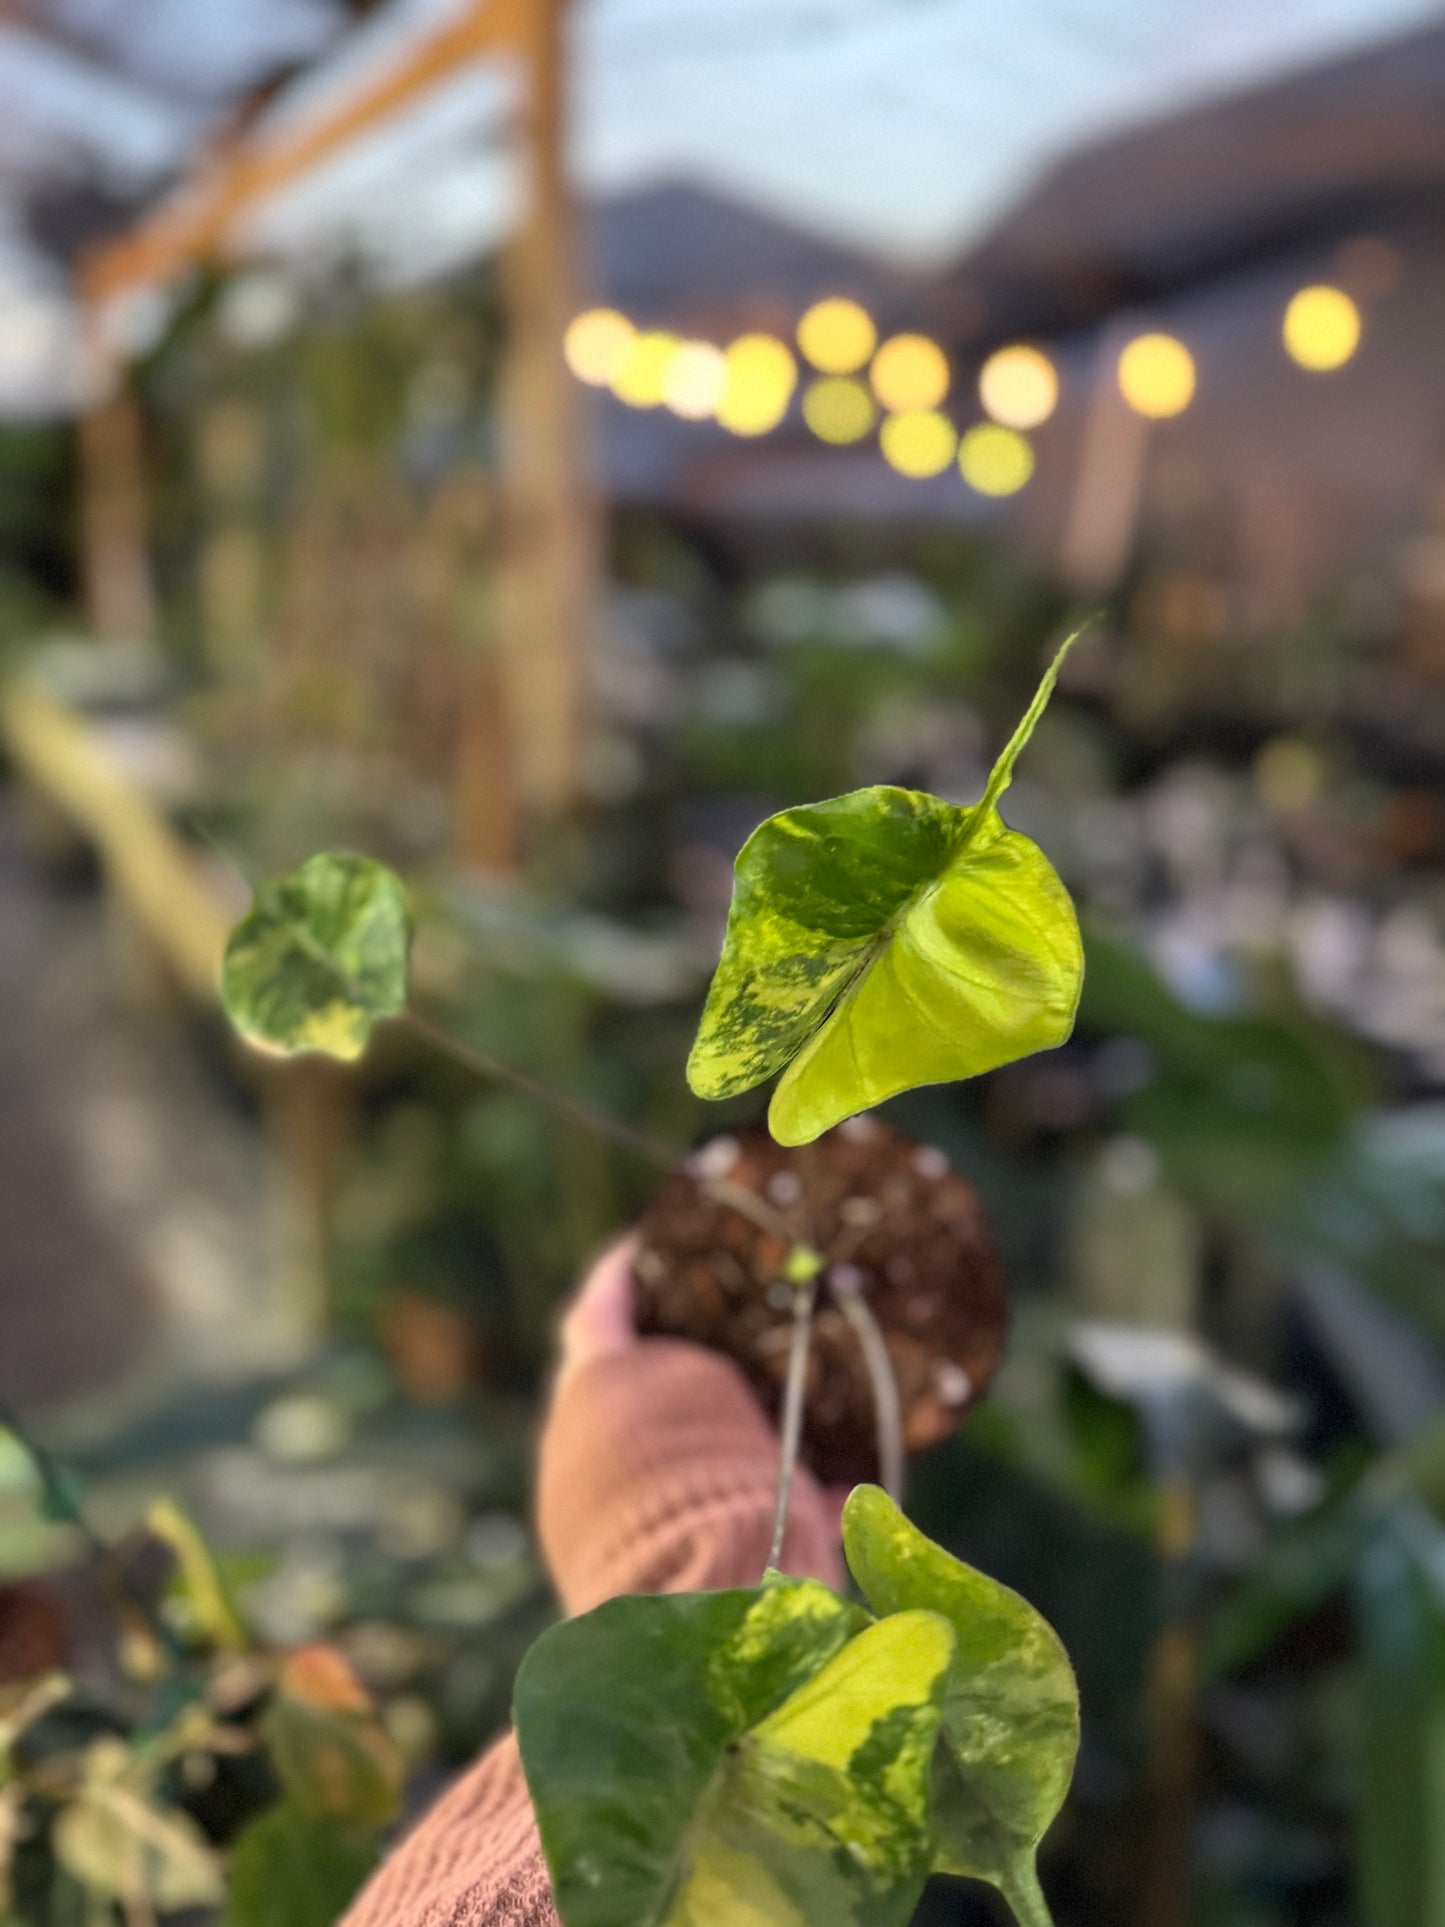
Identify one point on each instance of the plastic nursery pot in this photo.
(918, 1249)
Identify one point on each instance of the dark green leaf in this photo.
(295, 1869)
(1400, 1825)
(1011, 1711)
(320, 958)
(882, 940)
(710, 1759)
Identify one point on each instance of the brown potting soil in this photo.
(920, 1250)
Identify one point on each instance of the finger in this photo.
(599, 1320)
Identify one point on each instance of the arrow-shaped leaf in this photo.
(886, 939)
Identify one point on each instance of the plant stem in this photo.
(804, 1299)
(1021, 1889)
(483, 1064)
(887, 1407)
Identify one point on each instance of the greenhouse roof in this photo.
(894, 129)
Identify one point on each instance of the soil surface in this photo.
(920, 1251)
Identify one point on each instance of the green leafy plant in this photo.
(106, 1814)
(776, 1755)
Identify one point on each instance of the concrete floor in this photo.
(131, 1226)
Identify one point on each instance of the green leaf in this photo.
(882, 940)
(295, 1869)
(712, 1759)
(116, 1842)
(1400, 1808)
(320, 958)
(332, 1761)
(1011, 1710)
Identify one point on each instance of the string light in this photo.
(595, 343)
(694, 379)
(919, 443)
(640, 375)
(837, 336)
(910, 374)
(1156, 376)
(1019, 386)
(838, 410)
(1322, 328)
(759, 379)
(995, 460)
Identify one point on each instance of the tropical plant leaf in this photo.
(709, 1759)
(1400, 1809)
(117, 1843)
(333, 1760)
(295, 1869)
(882, 940)
(1011, 1709)
(320, 958)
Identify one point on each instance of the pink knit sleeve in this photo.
(657, 1474)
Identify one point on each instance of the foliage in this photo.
(770, 1754)
(883, 940)
(1011, 1709)
(321, 957)
(290, 1868)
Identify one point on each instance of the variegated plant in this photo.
(774, 1756)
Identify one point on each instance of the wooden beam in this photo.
(193, 226)
(551, 545)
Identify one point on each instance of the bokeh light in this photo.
(838, 410)
(919, 443)
(595, 343)
(640, 375)
(1156, 376)
(1019, 386)
(1322, 328)
(995, 460)
(694, 379)
(910, 374)
(760, 376)
(837, 336)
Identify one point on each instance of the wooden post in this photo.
(549, 562)
(115, 564)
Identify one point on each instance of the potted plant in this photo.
(777, 1754)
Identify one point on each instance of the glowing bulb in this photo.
(919, 443)
(1156, 376)
(759, 378)
(837, 336)
(838, 410)
(595, 343)
(694, 379)
(1019, 386)
(909, 374)
(995, 460)
(1321, 328)
(640, 375)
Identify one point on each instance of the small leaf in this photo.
(882, 940)
(1011, 1712)
(295, 1869)
(705, 1759)
(320, 958)
(115, 1842)
(333, 1760)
